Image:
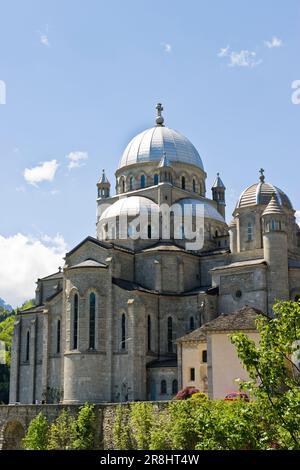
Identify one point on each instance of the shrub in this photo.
(141, 423)
(122, 436)
(37, 434)
(85, 428)
(198, 396)
(186, 393)
(63, 434)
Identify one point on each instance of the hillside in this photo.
(5, 306)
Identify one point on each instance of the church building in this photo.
(104, 328)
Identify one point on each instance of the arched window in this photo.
(131, 183)
(170, 334)
(58, 335)
(163, 387)
(123, 186)
(194, 185)
(183, 182)
(75, 322)
(143, 181)
(27, 346)
(123, 331)
(149, 333)
(149, 231)
(192, 323)
(92, 325)
(174, 387)
(156, 178)
(250, 232)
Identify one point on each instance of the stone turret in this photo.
(218, 194)
(165, 179)
(275, 245)
(103, 186)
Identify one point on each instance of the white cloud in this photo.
(224, 51)
(76, 159)
(23, 260)
(275, 42)
(43, 172)
(44, 39)
(244, 59)
(167, 47)
(241, 58)
(297, 215)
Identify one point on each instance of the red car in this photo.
(236, 396)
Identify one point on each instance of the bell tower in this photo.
(276, 252)
(103, 186)
(218, 194)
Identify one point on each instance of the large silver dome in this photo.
(150, 145)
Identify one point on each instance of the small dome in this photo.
(210, 212)
(261, 193)
(273, 208)
(151, 144)
(130, 206)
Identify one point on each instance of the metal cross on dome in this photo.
(262, 175)
(159, 119)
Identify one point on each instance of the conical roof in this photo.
(218, 183)
(273, 208)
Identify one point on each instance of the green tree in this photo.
(85, 428)
(141, 422)
(122, 435)
(63, 433)
(6, 333)
(37, 435)
(273, 367)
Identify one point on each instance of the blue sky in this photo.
(86, 76)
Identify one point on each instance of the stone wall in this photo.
(14, 422)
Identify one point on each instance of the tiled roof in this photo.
(240, 264)
(196, 335)
(89, 263)
(133, 286)
(172, 362)
(58, 275)
(243, 319)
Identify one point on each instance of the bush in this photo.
(199, 396)
(121, 429)
(63, 433)
(141, 422)
(85, 428)
(37, 435)
(186, 393)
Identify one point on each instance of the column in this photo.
(15, 364)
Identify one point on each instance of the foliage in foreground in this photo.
(192, 425)
(65, 433)
(273, 367)
(38, 434)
